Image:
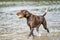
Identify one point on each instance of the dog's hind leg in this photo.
(45, 26)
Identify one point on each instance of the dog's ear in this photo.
(27, 14)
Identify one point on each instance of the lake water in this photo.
(10, 24)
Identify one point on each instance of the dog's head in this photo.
(23, 13)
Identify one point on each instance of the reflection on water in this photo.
(11, 25)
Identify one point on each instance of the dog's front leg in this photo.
(31, 32)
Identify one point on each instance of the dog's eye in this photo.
(22, 11)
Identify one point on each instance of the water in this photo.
(11, 26)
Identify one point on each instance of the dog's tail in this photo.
(45, 13)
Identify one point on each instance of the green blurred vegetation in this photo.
(29, 0)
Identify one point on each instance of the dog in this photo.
(33, 21)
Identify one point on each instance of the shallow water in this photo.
(11, 26)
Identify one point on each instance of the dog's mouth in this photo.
(20, 16)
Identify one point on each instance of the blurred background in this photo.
(13, 28)
(29, 0)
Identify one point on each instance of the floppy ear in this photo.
(27, 14)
